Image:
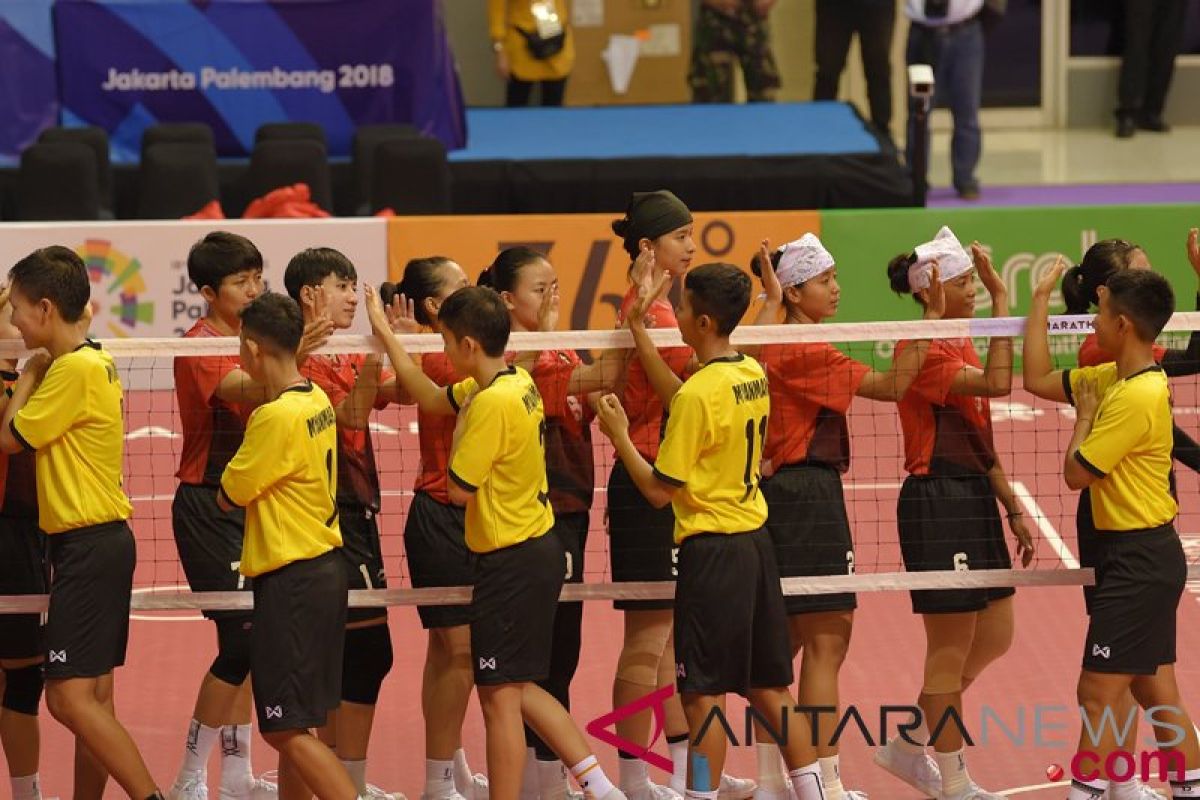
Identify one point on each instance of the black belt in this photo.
(945, 30)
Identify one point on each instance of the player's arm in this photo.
(892, 385)
(615, 425)
(237, 387)
(22, 390)
(1179, 363)
(1012, 509)
(410, 378)
(1184, 449)
(662, 378)
(262, 461)
(1079, 473)
(391, 391)
(995, 379)
(474, 448)
(354, 411)
(1037, 372)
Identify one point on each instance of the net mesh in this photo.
(1029, 438)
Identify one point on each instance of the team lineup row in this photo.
(277, 473)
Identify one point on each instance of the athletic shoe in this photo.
(573, 794)
(854, 794)
(375, 793)
(615, 794)
(736, 788)
(918, 770)
(653, 791)
(191, 786)
(451, 796)
(767, 794)
(973, 792)
(1139, 791)
(479, 787)
(263, 787)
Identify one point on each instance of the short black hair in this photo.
(480, 313)
(1145, 297)
(57, 274)
(310, 267)
(421, 280)
(719, 291)
(274, 319)
(219, 255)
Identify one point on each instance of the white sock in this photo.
(831, 777)
(1087, 790)
(551, 780)
(26, 788)
(439, 778)
(196, 749)
(591, 778)
(464, 779)
(236, 772)
(694, 794)
(358, 774)
(1189, 787)
(954, 771)
(1127, 789)
(806, 782)
(679, 761)
(771, 773)
(920, 735)
(529, 777)
(631, 774)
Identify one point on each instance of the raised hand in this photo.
(1050, 280)
(1087, 400)
(1193, 249)
(375, 312)
(934, 295)
(402, 315)
(986, 272)
(644, 267)
(548, 309)
(770, 281)
(611, 416)
(646, 297)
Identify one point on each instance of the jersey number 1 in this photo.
(753, 456)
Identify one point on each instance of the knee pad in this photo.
(366, 660)
(23, 689)
(232, 663)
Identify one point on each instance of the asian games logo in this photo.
(121, 309)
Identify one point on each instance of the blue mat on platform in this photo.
(694, 131)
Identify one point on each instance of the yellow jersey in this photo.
(712, 450)
(501, 458)
(506, 20)
(285, 475)
(74, 425)
(1129, 447)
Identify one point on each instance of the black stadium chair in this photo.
(276, 163)
(411, 176)
(176, 179)
(95, 138)
(58, 181)
(366, 140)
(289, 131)
(196, 132)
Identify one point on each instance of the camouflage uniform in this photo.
(719, 41)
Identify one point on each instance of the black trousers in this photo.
(519, 92)
(874, 21)
(1153, 37)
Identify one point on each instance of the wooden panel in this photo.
(656, 79)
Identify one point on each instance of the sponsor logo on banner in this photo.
(119, 297)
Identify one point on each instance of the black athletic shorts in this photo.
(209, 541)
(87, 627)
(951, 523)
(641, 539)
(810, 531)
(436, 547)
(1139, 581)
(512, 610)
(731, 630)
(362, 557)
(1089, 542)
(23, 570)
(296, 643)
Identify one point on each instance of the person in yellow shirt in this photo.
(497, 469)
(731, 630)
(533, 45)
(284, 475)
(1121, 451)
(66, 409)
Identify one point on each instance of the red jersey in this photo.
(212, 428)
(568, 443)
(1092, 355)
(358, 479)
(647, 419)
(436, 432)
(945, 433)
(812, 386)
(17, 474)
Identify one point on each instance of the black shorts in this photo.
(87, 627)
(1089, 543)
(362, 557)
(296, 643)
(512, 611)
(209, 541)
(22, 571)
(951, 523)
(641, 539)
(810, 531)
(1139, 581)
(436, 547)
(731, 631)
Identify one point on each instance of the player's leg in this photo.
(824, 637)
(366, 661)
(307, 767)
(993, 637)
(502, 720)
(21, 685)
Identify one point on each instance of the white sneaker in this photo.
(653, 791)
(736, 788)
(918, 770)
(616, 794)
(768, 794)
(1139, 791)
(262, 788)
(573, 794)
(973, 792)
(854, 794)
(190, 786)
(451, 796)
(479, 787)
(375, 793)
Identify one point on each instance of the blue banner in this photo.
(27, 81)
(235, 64)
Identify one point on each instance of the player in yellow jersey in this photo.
(498, 471)
(285, 476)
(1121, 452)
(731, 630)
(66, 409)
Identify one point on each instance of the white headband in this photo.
(802, 260)
(946, 251)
